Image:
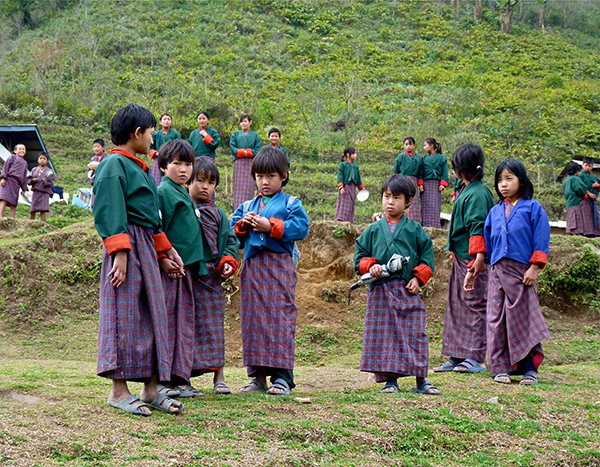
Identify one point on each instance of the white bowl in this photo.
(362, 195)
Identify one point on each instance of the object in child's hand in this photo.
(395, 264)
(93, 165)
(362, 195)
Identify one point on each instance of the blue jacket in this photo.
(524, 236)
(288, 219)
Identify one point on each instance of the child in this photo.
(99, 155)
(348, 179)
(160, 137)
(575, 192)
(132, 343)
(464, 323)
(589, 206)
(274, 138)
(208, 292)
(13, 177)
(409, 163)
(395, 341)
(181, 225)
(435, 180)
(204, 139)
(42, 181)
(515, 323)
(268, 227)
(244, 145)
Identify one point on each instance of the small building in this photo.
(28, 135)
(579, 160)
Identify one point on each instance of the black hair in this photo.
(468, 161)
(399, 184)
(127, 120)
(349, 150)
(588, 160)
(274, 130)
(203, 166)
(518, 169)
(573, 168)
(175, 149)
(245, 116)
(166, 115)
(100, 142)
(43, 153)
(203, 112)
(410, 139)
(437, 146)
(270, 160)
(18, 144)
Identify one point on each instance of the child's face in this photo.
(409, 146)
(202, 188)
(203, 121)
(142, 140)
(352, 157)
(509, 185)
(393, 205)
(20, 150)
(587, 167)
(269, 183)
(166, 121)
(98, 149)
(245, 124)
(42, 161)
(274, 138)
(179, 171)
(427, 147)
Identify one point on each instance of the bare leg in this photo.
(32, 216)
(260, 375)
(13, 212)
(2, 208)
(219, 375)
(150, 392)
(43, 216)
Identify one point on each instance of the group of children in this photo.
(581, 193)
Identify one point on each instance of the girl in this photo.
(575, 192)
(409, 163)
(589, 209)
(348, 180)
(42, 181)
(160, 137)
(205, 140)
(244, 145)
(464, 323)
(13, 177)
(268, 227)
(435, 180)
(517, 236)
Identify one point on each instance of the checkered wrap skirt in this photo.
(10, 192)
(431, 203)
(243, 183)
(464, 322)
(209, 348)
(395, 342)
(268, 284)
(344, 209)
(574, 220)
(414, 212)
(40, 202)
(133, 334)
(515, 323)
(587, 213)
(155, 171)
(179, 300)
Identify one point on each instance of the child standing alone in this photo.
(13, 178)
(395, 341)
(409, 163)
(42, 180)
(435, 180)
(160, 137)
(268, 227)
(348, 179)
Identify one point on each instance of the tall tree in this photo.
(506, 7)
(478, 13)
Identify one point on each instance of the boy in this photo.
(41, 180)
(132, 344)
(244, 145)
(395, 341)
(274, 138)
(589, 208)
(99, 155)
(204, 139)
(13, 177)
(208, 293)
(160, 137)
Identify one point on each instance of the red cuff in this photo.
(238, 230)
(207, 139)
(161, 242)
(471, 263)
(477, 245)
(365, 264)
(227, 260)
(423, 273)
(119, 242)
(361, 187)
(586, 196)
(160, 255)
(249, 153)
(153, 154)
(443, 183)
(420, 182)
(540, 258)
(276, 228)
(240, 153)
(454, 193)
(340, 186)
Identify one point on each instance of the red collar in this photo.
(410, 153)
(136, 159)
(262, 196)
(167, 132)
(390, 222)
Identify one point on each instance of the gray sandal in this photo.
(166, 407)
(130, 404)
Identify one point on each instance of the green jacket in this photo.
(159, 138)
(574, 190)
(435, 168)
(241, 140)
(205, 145)
(589, 180)
(349, 173)
(406, 164)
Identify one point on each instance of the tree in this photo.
(506, 7)
(542, 4)
(478, 12)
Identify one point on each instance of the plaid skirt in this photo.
(179, 300)
(574, 220)
(209, 346)
(269, 313)
(515, 323)
(464, 322)
(10, 192)
(156, 173)
(588, 214)
(243, 183)
(40, 202)
(344, 209)
(414, 212)
(431, 203)
(395, 342)
(133, 331)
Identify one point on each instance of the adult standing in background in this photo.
(244, 145)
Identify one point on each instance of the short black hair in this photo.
(166, 115)
(274, 130)
(573, 168)
(270, 160)
(206, 167)
(203, 112)
(399, 184)
(127, 120)
(410, 139)
(468, 161)
(100, 142)
(518, 169)
(19, 144)
(43, 153)
(175, 149)
(588, 160)
(244, 117)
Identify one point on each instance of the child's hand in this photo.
(478, 265)
(376, 270)
(248, 218)
(170, 267)
(226, 271)
(3, 182)
(413, 286)
(453, 199)
(531, 275)
(595, 185)
(342, 191)
(442, 187)
(174, 256)
(261, 224)
(469, 282)
(119, 269)
(203, 133)
(593, 196)
(377, 216)
(420, 188)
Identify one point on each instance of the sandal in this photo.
(391, 386)
(282, 384)
(470, 366)
(167, 391)
(529, 379)
(188, 391)
(221, 388)
(166, 407)
(426, 388)
(499, 378)
(131, 404)
(254, 386)
(450, 365)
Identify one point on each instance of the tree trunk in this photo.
(505, 19)
(478, 13)
(541, 22)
